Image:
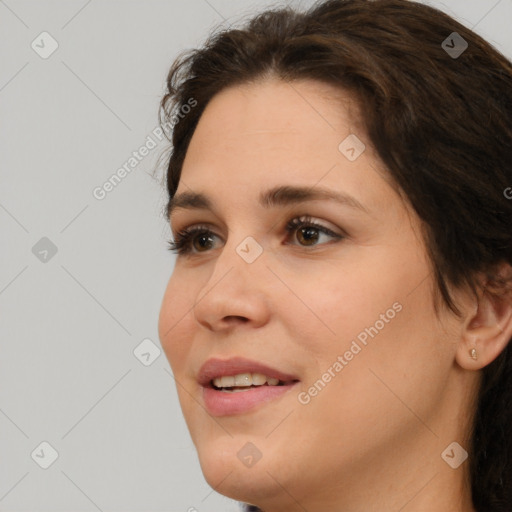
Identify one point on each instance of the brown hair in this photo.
(442, 125)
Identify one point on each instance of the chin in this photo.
(223, 467)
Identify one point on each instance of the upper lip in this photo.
(215, 367)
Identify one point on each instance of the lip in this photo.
(222, 403)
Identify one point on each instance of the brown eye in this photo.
(308, 232)
(202, 241)
(193, 240)
(308, 235)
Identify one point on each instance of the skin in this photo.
(372, 439)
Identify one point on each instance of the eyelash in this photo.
(183, 239)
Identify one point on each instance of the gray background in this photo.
(70, 321)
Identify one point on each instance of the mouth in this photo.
(237, 385)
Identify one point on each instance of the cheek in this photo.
(377, 314)
(174, 327)
(367, 405)
(331, 303)
(396, 358)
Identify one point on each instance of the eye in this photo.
(200, 238)
(309, 231)
(188, 237)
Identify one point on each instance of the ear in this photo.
(488, 328)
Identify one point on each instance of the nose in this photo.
(237, 292)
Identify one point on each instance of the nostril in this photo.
(235, 319)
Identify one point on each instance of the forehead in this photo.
(304, 108)
(261, 135)
(271, 123)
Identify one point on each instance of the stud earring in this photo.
(472, 353)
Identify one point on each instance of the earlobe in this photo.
(486, 332)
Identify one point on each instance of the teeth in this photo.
(244, 380)
(258, 379)
(227, 382)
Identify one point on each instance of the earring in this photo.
(472, 353)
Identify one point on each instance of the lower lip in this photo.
(222, 403)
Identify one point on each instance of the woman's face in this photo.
(345, 314)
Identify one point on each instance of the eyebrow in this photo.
(278, 196)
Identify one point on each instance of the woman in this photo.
(339, 315)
